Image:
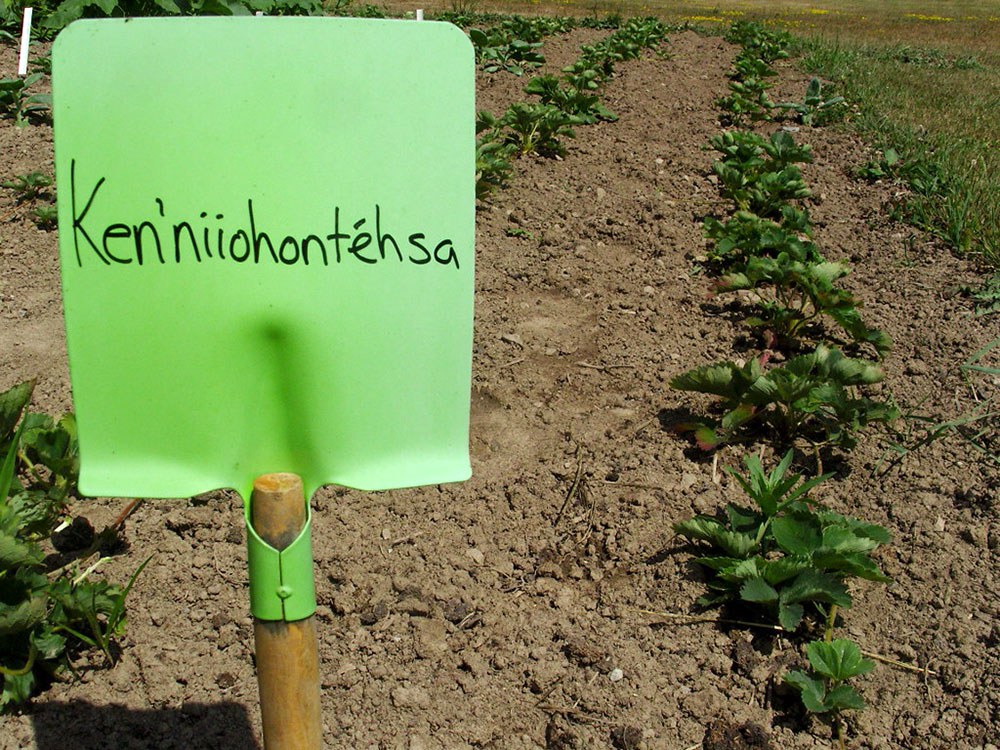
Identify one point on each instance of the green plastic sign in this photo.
(266, 231)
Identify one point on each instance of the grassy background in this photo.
(924, 73)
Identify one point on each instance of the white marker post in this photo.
(420, 14)
(22, 61)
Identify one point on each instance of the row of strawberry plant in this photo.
(564, 102)
(748, 99)
(513, 44)
(802, 385)
(787, 554)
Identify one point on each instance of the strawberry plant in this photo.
(747, 100)
(795, 290)
(813, 397)
(760, 175)
(537, 128)
(28, 187)
(758, 41)
(578, 103)
(16, 102)
(496, 51)
(46, 616)
(493, 165)
(824, 689)
(745, 235)
(818, 107)
(46, 216)
(787, 551)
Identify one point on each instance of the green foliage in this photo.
(28, 187)
(578, 103)
(537, 128)
(747, 100)
(818, 107)
(824, 689)
(495, 51)
(611, 21)
(745, 235)
(813, 397)
(920, 175)
(493, 165)
(18, 103)
(44, 617)
(45, 216)
(70, 10)
(785, 552)
(758, 175)
(794, 290)
(987, 297)
(758, 41)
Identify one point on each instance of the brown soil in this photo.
(535, 605)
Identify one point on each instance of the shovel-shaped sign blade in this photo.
(266, 231)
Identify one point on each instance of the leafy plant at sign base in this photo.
(493, 165)
(537, 128)
(786, 551)
(45, 617)
(812, 397)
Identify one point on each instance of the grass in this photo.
(939, 104)
(925, 74)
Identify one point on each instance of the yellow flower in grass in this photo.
(818, 11)
(696, 19)
(922, 17)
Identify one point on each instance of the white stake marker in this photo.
(22, 61)
(420, 14)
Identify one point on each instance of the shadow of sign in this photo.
(194, 726)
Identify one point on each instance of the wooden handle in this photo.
(287, 652)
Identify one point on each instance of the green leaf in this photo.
(843, 697)
(12, 403)
(797, 535)
(16, 688)
(758, 590)
(845, 540)
(870, 530)
(707, 438)
(718, 562)
(709, 530)
(23, 616)
(790, 615)
(15, 552)
(784, 568)
(811, 691)
(854, 563)
(816, 586)
(839, 659)
(49, 645)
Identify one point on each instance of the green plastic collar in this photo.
(281, 582)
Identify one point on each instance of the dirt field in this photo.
(533, 606)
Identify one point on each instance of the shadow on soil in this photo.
(194, 726)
